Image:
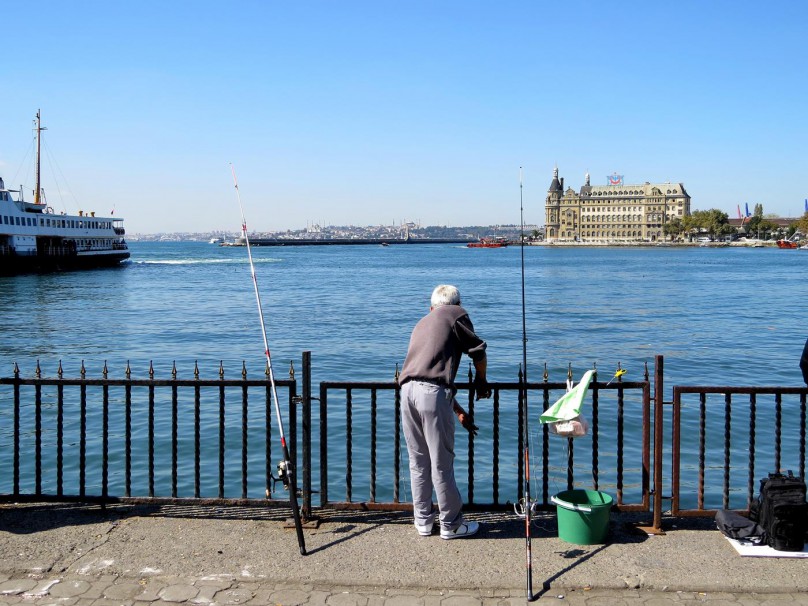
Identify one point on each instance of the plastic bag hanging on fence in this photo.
(564, 417)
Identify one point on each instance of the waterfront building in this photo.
(613, 213)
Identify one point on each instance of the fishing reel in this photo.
(521, 510)
(284, 471)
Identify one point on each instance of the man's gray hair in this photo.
(445, 294)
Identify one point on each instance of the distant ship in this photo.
(787, 244)
(497, 242)
(34, 238)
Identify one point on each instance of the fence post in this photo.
(323, 446)
(306, 431)
(659, 366)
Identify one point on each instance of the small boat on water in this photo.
(34, 238)
(787, 244)
(497, 242)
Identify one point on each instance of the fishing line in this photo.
(286, 470)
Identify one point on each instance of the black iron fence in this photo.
(152, 438)
(184, 438)
(760, 430)
(363, 456)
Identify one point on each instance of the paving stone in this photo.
(239, 595)
(289, 597)
(70, 588)
(98, 586)
(317, 597)
(712, 596)
(17, 586)
(261, 597)
(178, 593)
(347, 599)
(206, 595)
(122, 591)
(42, 588)
(151, 590)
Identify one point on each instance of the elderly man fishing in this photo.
(428, 406)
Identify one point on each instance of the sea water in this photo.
(719, 316)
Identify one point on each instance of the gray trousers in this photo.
(429, 428)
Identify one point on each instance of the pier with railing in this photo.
(166, 437)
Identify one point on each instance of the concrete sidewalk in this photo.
(70, 554)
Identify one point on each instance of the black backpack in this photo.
(782, 512)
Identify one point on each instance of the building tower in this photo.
(616, 213)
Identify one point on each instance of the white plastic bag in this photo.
(570, 428)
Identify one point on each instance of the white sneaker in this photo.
(466, 529)
(424, 530)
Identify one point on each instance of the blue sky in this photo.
(372, 113)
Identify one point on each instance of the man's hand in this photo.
(482, 389)
(465, 421)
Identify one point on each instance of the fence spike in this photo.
(151, 370)
(395, 377)
(569, 371)
(174, 370)
(83, 370)
(59, 370)
(221, 370)
(196, 370)
(646, 370)
(291, 370)
(243, 370)
(16, 371)
(546, 375)
(38, 371)
(104, 372)
(128, 370)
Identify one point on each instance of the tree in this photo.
(802, 224)
(675, 227)
(754, 223)
(712, 221)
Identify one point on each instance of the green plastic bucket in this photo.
(583, 516)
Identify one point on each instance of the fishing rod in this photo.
(286, 469)
(527, 506)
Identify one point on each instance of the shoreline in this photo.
(344, 241)
(656, 244)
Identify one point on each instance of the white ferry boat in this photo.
(34, 238)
